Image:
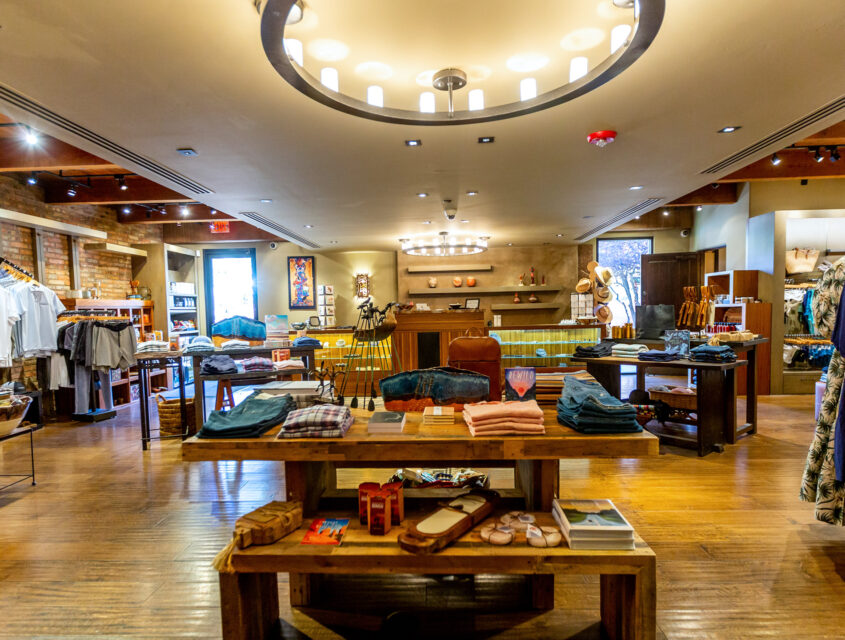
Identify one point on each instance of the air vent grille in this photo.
(282, 231)
(777, 136)
(619, 218)
(114, 149)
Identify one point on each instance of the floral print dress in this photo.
(819, 483)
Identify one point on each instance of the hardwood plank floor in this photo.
(118, 543)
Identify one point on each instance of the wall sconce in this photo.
(362, 285)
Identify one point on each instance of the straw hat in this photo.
(603, 294)
(604, 275)
(583, 285)
(603, 313)
(591, 266)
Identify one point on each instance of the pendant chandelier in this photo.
(445, 245)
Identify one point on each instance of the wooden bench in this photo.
(249, 598)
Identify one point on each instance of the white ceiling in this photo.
(158, 75)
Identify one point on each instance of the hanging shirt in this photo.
(9, 315)
(39, 307)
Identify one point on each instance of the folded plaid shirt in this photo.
(319, 421)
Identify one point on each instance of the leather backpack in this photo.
(481, 354)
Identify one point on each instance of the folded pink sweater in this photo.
(508, 429)
(496, 421)
(511, 410)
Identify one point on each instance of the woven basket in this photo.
(170, 416)
(676, 400)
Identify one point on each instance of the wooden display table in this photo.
(310, 463)
(716, 399)
(249, 599)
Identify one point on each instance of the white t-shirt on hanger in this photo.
(9, 315)
(39, 307)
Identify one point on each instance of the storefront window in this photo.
(230, 284)
(623, 256)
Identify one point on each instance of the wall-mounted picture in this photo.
(329, 300)
(472, 303)
(329, 289)
(301, 287)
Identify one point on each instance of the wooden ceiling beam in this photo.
(49, 155)
(709, 194)
(195, 213)
(105, 190)
(654, 220)
(795, 164)
(833, 135)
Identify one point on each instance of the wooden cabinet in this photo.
(422, 338)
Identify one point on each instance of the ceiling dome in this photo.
(378, 58)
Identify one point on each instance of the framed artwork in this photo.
(472, 303)
(329, 300)
(301, 278)
(330, 289)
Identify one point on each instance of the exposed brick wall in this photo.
(112, 271)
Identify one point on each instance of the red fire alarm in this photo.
(601, 138)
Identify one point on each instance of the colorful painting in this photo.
(520, 383)
(301, 287)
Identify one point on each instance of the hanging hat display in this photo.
(603, 313)
(604, 275)
(583, 285)
(603, 294)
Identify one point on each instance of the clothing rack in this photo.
(802, 285)
(8, 263)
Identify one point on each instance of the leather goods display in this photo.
(481, 354)
(801, 260)
(452, 520)
(265, 525)
(653, 320)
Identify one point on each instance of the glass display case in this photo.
(545, 345)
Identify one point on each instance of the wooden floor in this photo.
(117, 543)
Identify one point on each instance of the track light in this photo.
(121, 183)
(214, 212)
(834, 154)
(699, 208)
(666, 212)
(775, 159)
(163, 210)
(817, 156)
(71, 192)
(30, 137)
(32, 179)
(184, 211)
(126, 209)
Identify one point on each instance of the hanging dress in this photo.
(819, 483)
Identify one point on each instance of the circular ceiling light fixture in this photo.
(445, 245)
(367, 52)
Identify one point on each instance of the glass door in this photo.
(230, 284)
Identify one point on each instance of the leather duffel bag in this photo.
(481, 354)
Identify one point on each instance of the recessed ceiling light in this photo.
(464, 221)
(486, 140)
(266, 200)
(472, 193)
(699, 208)
(510, 244)
(559, 235)
(422, 195)
(184, 211)
(187, 152)
(729, 129)
(636, 187)
(308, 226)
(666, 212)
(413, 143)
(636, 217)
(426, 221)
(214, 212)
(30, 137)
(527, 62)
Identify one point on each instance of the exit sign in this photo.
(219, 226)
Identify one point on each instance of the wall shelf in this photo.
(524, 306)
(481, 290)
(35, 222)
(441, 268)
(115, 248)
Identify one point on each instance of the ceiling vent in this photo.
(620, 217)
(778, 136)
(112, 148)
(275, 227)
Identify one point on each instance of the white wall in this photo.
(723, 226)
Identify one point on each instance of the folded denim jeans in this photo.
(251, 418)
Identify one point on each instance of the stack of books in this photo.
(593, 524)
(439, 415)
(386, 422)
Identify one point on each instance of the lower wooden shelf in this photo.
(524, 305)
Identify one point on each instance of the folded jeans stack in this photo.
(217, 365)
(199, 344)
(587, 407)
(251, 418)
(257, 364)
(710, 353)
(601, 350)
(307, 341)
(504, 418)
(656, 355)
(319, 421)
(621, 350)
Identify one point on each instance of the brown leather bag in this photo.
(480, 354)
